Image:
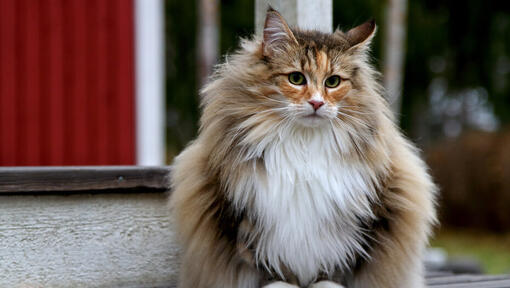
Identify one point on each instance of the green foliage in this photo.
(181, 84)
(237, 18)
(471, 38)
(492, 250)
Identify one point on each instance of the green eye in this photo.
(297, 78)
(333, 81)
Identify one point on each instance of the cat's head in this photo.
(316, 75)
(291, 78)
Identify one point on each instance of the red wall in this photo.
(66, 82)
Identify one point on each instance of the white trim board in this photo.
(305, 14)
(150, 94)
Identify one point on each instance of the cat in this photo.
(299, 177)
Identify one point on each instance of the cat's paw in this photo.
(280, 284)
(325, 284)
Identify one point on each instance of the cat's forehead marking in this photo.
(315, 63)
(322, 62)
(322, 41)
(320, 52)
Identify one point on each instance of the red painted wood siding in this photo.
(66, 82)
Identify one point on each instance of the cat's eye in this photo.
(297, 78)
(332, 81)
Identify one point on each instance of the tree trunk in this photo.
(208, 45)
(394, 54)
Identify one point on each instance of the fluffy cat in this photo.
(299, 177)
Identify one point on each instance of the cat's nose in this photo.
(316, 104)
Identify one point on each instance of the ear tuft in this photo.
(277, 33)
(362, 34)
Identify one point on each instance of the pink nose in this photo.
(316, 104)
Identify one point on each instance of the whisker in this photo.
(273, 99)
(356, 112)
(354, 119)
(350, 130)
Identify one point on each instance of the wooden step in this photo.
(105, 227)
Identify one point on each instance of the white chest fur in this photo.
(307, 203)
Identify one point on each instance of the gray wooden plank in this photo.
(434, 274)
(84, 240)
(29, 180)
(483, 284)
(465, 279)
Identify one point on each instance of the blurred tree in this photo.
(207, 38)
(181, 65)
(458, 55)
(238, 17)
(394, 51)
(181, 87)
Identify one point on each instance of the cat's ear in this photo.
(361, 36)
(277, 34)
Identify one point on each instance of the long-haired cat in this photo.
(299, 177)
